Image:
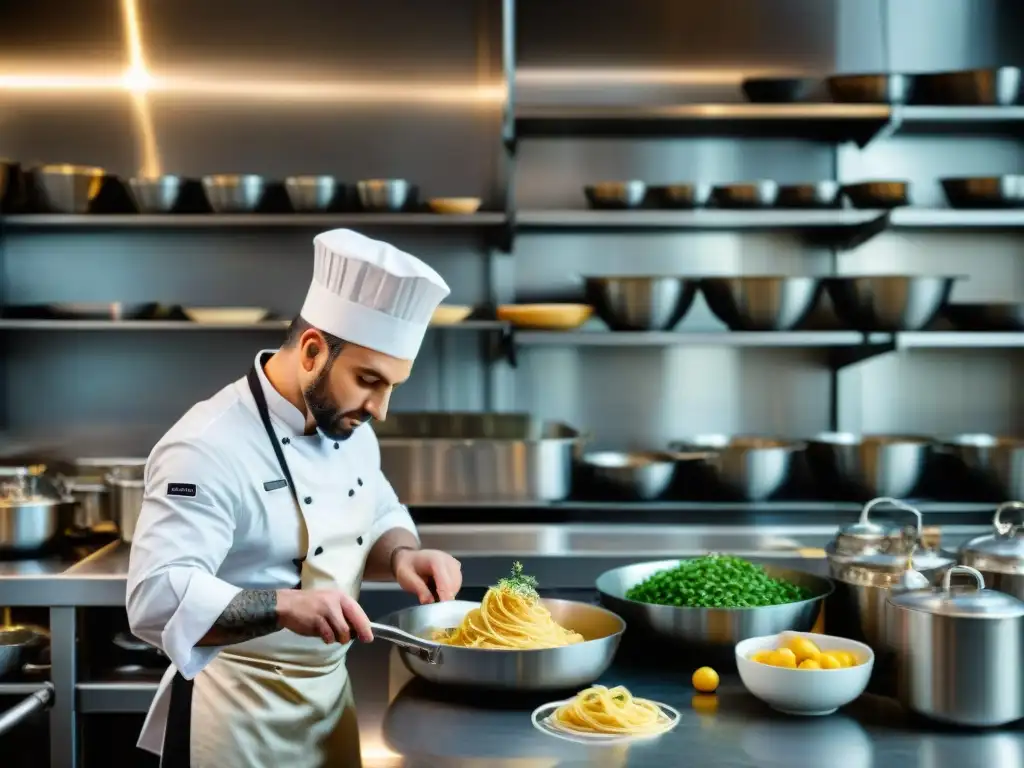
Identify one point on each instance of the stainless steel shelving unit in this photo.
(250, 220)
(275, 326)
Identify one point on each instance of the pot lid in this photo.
(26, 485)
(960, 602)
(1003, 549)
(867, 536)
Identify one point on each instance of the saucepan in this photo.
(547, 669)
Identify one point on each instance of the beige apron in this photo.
(281, 700)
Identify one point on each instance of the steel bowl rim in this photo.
(232, 179)
(850, 278)
(778, 444)
(957, 441)
(157, 178)
(313, 178)
(861, 438)
(759, 278)
(70, 169)
(652, 278)
(686, 608)
(382, 182)
(633, 459)
(528, 651)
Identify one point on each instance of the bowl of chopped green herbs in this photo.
(715, 600)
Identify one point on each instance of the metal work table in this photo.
(566, 559)
(409, 723)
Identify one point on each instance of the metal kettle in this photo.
(865, 560)
(999, 556)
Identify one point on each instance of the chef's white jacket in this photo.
(217, 516)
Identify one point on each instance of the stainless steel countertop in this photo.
(564, 556)
(409, 724)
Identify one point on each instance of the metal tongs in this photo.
(427, 650)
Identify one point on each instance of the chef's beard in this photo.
(329, 418)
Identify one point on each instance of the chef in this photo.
(265, 508)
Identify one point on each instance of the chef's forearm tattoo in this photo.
(252, 613)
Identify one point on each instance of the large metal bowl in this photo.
(868, 466)
(156, 194)
(761, 303)
(234, 193)
(311, 194)
(748, 468)
(710, 626)
(639, 475)
(888, 302)
(549, 669)
(641, 303)
(994, 465)
(387, 195)
(68, 188)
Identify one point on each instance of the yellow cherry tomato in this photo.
(827, 661)
(785, 658)
(705, 680)
(762, 657)
(802, 648)
(845, 658)
(809, 664)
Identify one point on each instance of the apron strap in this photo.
(177, 748)
(261, 405)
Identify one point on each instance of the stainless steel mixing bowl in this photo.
(992, 463)
(641, 303)
(234, 193)
(156, 194)
(761, 303)
(549, 669)
(868, 466)
(888, 302)
(709, 626)
(311, 194)
(386, 195)
(639, 475)
(748, 468)
(68, 188)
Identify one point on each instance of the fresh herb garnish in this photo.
(518, 583)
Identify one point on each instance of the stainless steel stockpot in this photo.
(999, 556)
(958, 652)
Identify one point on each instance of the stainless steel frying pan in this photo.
(548, 669)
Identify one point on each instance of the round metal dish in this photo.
(548, 669)
(710, 626)
(766, 303)
(637, 475)
(868, 466)
(888, 302)
(156, 194)
(641, 303)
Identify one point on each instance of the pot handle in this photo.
(864, 513)
(1006, 529)
(34, 703)
(947, 579)
(427, 650)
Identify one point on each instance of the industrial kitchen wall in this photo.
(402, 88)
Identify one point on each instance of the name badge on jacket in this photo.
(181, 489)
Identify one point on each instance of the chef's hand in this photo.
(325, 613)
(417, 569)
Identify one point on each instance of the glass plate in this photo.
(541, 721)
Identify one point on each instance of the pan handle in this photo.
(427, 650)
(34, 703)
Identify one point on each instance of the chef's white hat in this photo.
(370, 293)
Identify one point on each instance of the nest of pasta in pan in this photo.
(513, 639)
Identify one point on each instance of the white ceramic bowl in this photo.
(804, 691)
